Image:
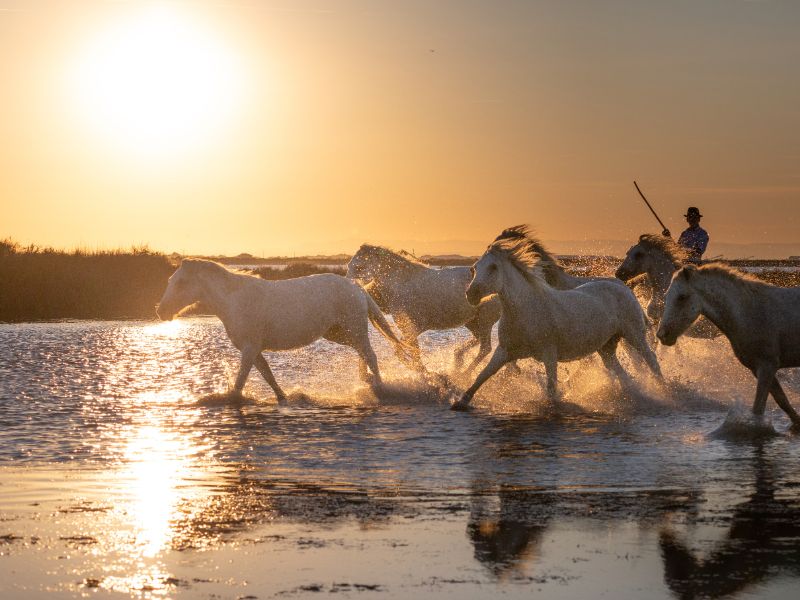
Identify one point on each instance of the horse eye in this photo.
(682, 298)
(492, 268)
(637, 254)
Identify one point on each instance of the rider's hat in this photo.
(692, 211)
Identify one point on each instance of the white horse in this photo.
(657, 257)
(761, 321)
(553, 325)
(278, 315)
(422, 298)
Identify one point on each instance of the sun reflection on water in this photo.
(157, 464)
(168, 329)
(167, 471)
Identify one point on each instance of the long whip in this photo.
(664, 227)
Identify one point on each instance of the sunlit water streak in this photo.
(110, 459)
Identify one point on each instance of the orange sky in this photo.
(309, 127)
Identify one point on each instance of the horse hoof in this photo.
(460, 406)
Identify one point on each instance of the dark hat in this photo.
(692, 211)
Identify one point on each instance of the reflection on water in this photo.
(113, 476)
(158, 467)
(761, 541)
(507, 537)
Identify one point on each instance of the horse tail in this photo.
(378, 319)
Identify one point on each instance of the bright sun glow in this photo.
(158, 83)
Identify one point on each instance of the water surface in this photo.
(117, 479)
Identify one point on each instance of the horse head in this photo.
(184, 288)
(634, 263)
(513, 246)
(363, 265)
(487, 278)
(652, 253)
(682, 306)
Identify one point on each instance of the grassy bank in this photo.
(38, 283)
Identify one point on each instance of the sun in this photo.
(157, 82)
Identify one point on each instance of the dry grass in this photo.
(298, 269)
(43, 283)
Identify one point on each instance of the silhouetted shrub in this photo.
(44, 283)
(298, 269)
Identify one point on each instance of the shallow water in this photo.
(118, 479)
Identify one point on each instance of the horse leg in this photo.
(608, 352)
(499, 358)
(477, 328)
(484, 337)
(551, 370)
(358, 341)
(410, 335)
(483, 352)
(458, 354)
(263, 367)
(248, 357)
(368, 359)
(638, 341)
(765, 375)
(780, 398)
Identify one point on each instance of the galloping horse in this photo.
(761, 321)
(657, 258)
(552, 325)
(279, 315)
(422, 298)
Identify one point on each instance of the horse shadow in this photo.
(762, 543)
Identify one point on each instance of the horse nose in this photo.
(662, 336)
(164, 316)
(620, 274)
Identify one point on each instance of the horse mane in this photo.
(533, 247)
(718, 269)
(751, 287)
(519, 249)
(666, 245)
(204, 265)
(399, 260)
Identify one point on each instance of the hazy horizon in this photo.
(308, 128)
(616, 248)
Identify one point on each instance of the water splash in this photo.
(742, 425)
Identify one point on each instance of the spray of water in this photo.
(741, 424)
(699, 375)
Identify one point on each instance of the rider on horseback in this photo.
(694, 238)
